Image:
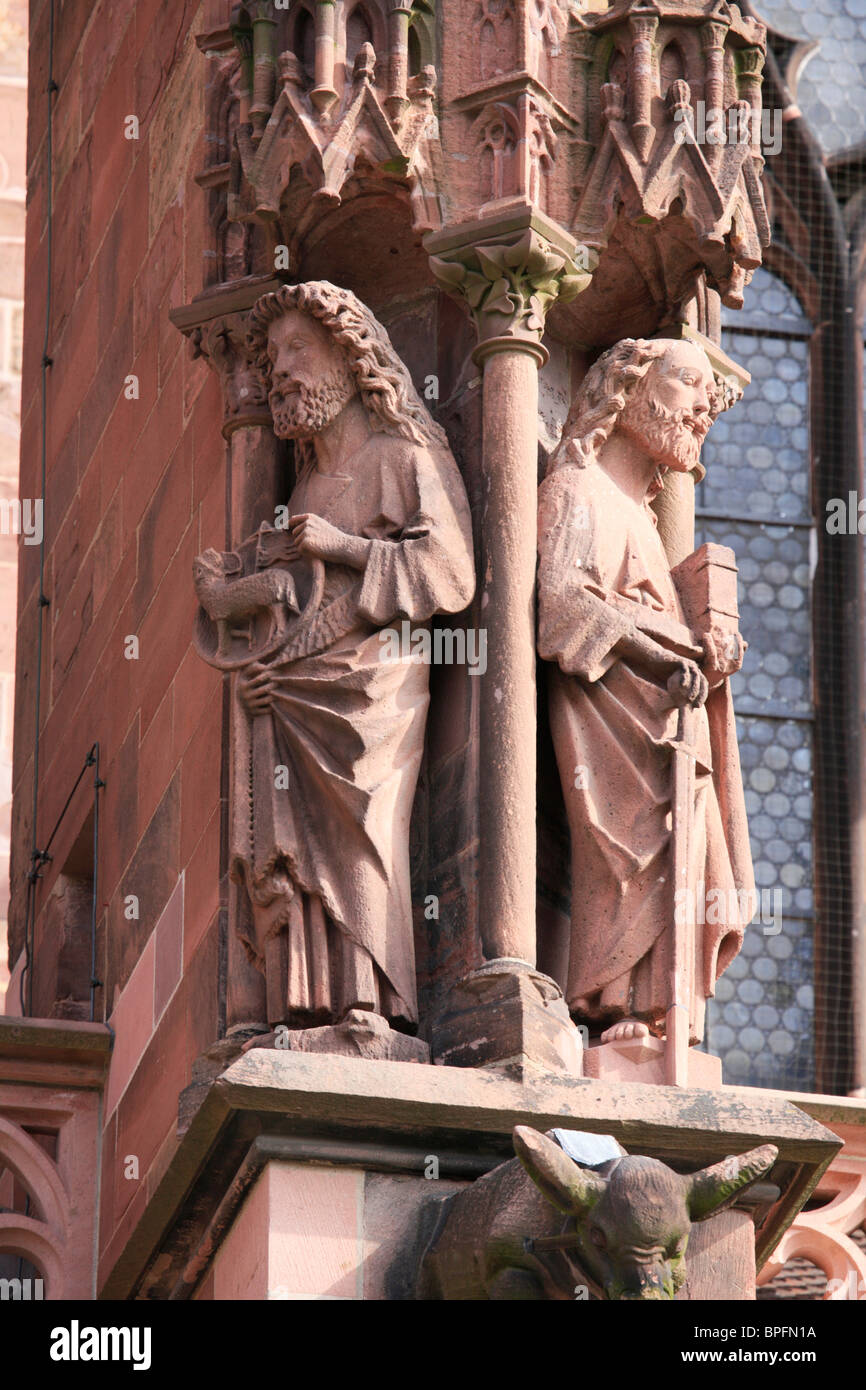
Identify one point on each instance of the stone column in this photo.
(750, 68)
(582, 52)
(398, 66)
(253, 448)
(323, 94)
(508, 270)
(264, 22)
(506, 880)
(675, 504)
(643, 30)
(243, 39)
(713, 44)
(675, 509)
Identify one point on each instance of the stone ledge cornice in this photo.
(233, 297)
(54, 1052)
(511, 85)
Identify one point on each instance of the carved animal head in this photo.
(212, 564)
(632, 1215)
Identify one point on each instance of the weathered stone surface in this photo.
(150, 878)
(721, 1256)
(326, 1232)
(360, 1034)
(506, 1014)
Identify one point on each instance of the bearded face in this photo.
(672, 437)
(301, 409)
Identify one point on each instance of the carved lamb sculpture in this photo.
(542, 1224)
(227, 601)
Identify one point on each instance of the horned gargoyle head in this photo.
(632, 1215)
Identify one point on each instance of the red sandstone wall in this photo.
(135, 488)
(13, 109)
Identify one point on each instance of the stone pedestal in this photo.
(643, 1060)
(507, 1014)
(345, 1233)
(311, 1232)
(322, 1177)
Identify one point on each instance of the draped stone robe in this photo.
(326, 861)
(603, 569)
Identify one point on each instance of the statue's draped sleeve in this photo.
(420, 559)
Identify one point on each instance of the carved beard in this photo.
(670, 437)
(304, 412)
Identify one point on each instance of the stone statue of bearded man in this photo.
(613, 619)
(379, 505)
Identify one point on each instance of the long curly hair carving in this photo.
(602, 395)
(601, 398)
(382, 379)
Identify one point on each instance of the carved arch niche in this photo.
(547, 23)
(368, 244)
(672, 66)
(301, 41)
(495, 33)
(495, 137)
(360, 29)
(229, 252)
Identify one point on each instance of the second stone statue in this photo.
(640, 706)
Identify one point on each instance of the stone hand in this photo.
(687, 685)
(650, 658)
(314, 537)
(255, 688)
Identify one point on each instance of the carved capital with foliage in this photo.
(510, 284)
(222, 342)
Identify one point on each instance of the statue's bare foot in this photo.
(625, 1029)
